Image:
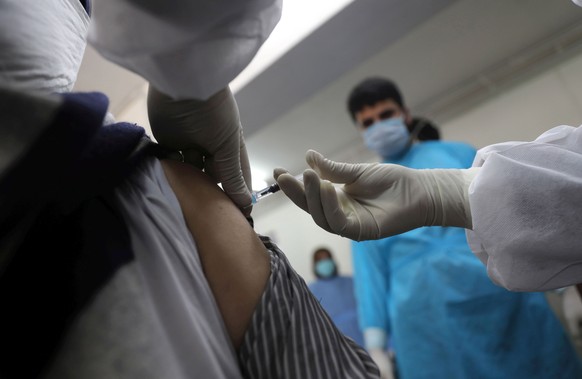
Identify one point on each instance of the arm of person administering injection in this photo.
(189, 52)
(209, 135)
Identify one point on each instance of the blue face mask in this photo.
(389, 138)
(325, 268)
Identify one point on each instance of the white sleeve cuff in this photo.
(375, 338)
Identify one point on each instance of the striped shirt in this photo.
(291, 336)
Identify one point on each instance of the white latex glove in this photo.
(378, 200)
(382, 360)
(209, 135)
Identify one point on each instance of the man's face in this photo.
(382, 110)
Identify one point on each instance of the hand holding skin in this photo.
(378, 200)
(209, 135)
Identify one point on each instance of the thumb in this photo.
(236, 188)
(336, 172)
(225, 168)
(293, 188)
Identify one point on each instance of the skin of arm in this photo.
(234, 260)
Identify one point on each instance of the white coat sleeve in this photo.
(526, 206)
(186, 49)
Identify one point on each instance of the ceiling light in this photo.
(299, 19)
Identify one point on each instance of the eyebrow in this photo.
(385, 114)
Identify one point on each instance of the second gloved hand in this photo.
(209, 135)
(378, 200)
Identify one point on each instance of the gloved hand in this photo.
(382, 360)
(209, 135)
(378, 200)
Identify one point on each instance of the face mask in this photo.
(42, 44)
(389, 138)
(325, 268)
(578, 2)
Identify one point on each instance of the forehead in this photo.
(322, 254)
(379, 107)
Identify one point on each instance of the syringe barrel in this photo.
(261, 194)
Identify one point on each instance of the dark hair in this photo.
(423, 129)
(370, 91)
(318, 250)
(330, 255)
(374, 89)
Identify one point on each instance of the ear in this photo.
(407, 116)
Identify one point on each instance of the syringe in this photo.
(261, 194)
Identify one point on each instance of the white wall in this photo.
(294, 231)
(551, 98)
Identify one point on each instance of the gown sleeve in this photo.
(371, 288)
(526, 208)
(186, 49)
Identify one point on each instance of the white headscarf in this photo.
(42, 43)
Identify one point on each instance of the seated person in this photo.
(118, 264)
(335, 293)
(111, 269)
(266, 305)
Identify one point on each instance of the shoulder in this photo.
(440, 144)
(464, 152)
(443, 154)
(458, 145)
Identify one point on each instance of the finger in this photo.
(236, 189)
(313, 196)
(279, 171)
(245, 164)
(334, 214)
(225, 167)
(293, 189)
(336, 172)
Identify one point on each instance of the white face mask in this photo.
(577, 2)
(42, 44)
(389, 138)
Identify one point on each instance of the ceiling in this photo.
(439, 52)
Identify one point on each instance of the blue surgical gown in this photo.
(337, 297)
(444, 316)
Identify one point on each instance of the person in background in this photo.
(424, 289)
(336, 294)
(519, 203)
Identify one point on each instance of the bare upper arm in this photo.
(236, 263)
